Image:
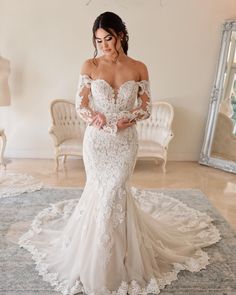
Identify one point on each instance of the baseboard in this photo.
(49, 154)
(28, 153)
(182, 156)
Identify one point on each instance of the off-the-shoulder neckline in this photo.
(105, 81)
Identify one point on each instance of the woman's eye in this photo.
(107, 39)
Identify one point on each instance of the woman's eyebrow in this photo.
(103, 37)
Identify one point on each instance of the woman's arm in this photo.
(83, 95)
(83, 102)
(143, 111)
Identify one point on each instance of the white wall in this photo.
(47, 41)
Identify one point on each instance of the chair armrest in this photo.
(163, 136)
(169, 136)
(56, 134)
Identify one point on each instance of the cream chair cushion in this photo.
(67, 129)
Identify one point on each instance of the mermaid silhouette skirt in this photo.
(117, 239)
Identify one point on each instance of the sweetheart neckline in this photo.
(117, 89)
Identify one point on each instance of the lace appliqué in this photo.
(82, 103)
(183, 217)
(144, 105)
(109, 214)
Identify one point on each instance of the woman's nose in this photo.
(105, 44)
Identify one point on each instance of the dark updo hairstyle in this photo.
(111, 22)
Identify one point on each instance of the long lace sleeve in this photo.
(83, 99)
(143, 109)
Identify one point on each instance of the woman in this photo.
(116, 239)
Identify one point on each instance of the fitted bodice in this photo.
(105, 99)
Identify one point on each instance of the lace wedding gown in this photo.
(116, 239)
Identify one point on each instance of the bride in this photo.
(116, 239)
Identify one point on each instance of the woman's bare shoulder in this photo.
(142, 69)
(89, 66)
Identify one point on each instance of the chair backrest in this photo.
(158, 124)
(65, 117)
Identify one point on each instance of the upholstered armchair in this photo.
(68, 129)
(155, 133)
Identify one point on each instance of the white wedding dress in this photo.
(116, 239)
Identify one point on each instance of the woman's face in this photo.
(106, 42)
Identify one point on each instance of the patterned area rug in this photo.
(19, 277)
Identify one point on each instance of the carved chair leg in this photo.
(57, 163)
(164, 166)
(64, 159)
